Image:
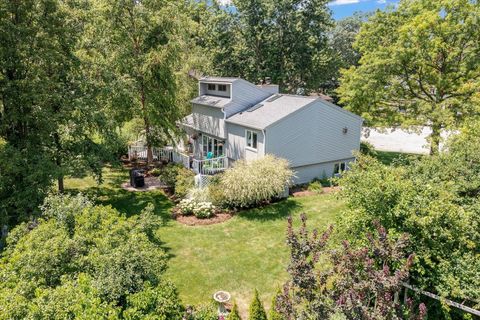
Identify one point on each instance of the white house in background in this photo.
(233, 119)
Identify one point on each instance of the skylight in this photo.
(255, 107)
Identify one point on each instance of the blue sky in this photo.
(345, 8)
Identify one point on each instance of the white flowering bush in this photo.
(186, 206)
(201, 209)
(250, 183)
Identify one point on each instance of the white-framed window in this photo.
(339, 167)
(222, 87)
(212, 87)
(251, 139)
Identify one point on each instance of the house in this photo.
(233, 119)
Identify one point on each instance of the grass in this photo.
(239, 255)
(389, 157)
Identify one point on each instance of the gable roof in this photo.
(277, 107)
(270, 110)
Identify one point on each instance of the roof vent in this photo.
(255, 107)
(274, 97)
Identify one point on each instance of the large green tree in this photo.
(419, 66)
(144, 46)
(80, 261)
(285, 40)
(49, 121)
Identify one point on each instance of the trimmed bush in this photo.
(184, 181)
(315, 186)
(250, 183)
(215, 191)
(256, 310)
(168, 174)
(233, 315)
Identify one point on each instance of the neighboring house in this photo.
(233, 119)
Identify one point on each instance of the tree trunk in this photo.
(61, 187)
(435, 138)
(149, 144)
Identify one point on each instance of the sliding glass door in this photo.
(212, 148)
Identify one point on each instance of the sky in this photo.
(345, 8)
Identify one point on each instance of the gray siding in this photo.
(244, 95)
(314, 135)
(209, 120)
(305, 174)
(236, 143)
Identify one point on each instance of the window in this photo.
(212, 87)
(251, 139)
(339, 167)
(222, 87)
(211, 146)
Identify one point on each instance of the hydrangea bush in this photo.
(201, 209)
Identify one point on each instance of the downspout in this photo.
(264, 142)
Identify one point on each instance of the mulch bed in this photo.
(194, 221)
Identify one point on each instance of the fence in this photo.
(210, 166)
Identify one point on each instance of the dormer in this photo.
(218, 87)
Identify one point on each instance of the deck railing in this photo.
(203, 167)
(210, 166)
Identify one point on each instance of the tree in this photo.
(144, 50)
(256, 310)
(233, 315)
(48, 119)
(285, 40)
(348, 283)
(419, 66)
(274, 314)
(435, 199)
(85, 261)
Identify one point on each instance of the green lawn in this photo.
(389, 157)
(239, 255)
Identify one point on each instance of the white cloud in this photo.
(224, 2)
(343, 2)
(382, 1)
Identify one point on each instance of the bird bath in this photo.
(221, 297)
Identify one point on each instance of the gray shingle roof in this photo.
(212, 101)
(219, 79)
(270, 111)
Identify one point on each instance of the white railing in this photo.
(210, 166)
(140, 153)
(169, 154)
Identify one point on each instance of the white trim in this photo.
(251, 148)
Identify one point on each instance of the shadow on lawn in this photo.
(279, 210)
(127, 202)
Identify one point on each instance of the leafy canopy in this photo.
(419, 66)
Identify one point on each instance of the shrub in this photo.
(315, 186)
(168, 174)
(156, 172)
(251, 183)
(207, 311)
(200, 209)
(199, 195)
(203, 210)
(184, 181)
(274, 314)
(186, 206)
(233, 315)
(215, 191)
(368, 149)
(256, 310)
(85, 261)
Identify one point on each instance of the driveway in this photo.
(400, 140)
